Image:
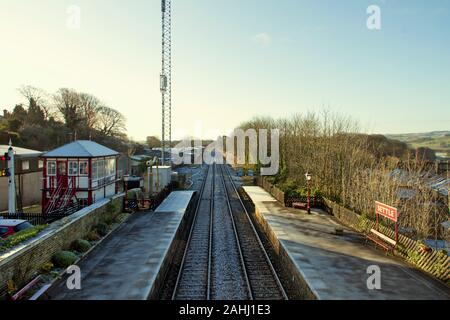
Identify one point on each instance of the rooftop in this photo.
(81, 149)
(22, 152)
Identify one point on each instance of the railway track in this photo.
(263, 280)
(193, 281)
(224, 256)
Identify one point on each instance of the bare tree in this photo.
(110, 121)
(38, 97)
(69, 104)
(33, 94)
(90, 107)
(348, 168)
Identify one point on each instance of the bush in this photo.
(102, 229)
(93, 236)
(64, 259)
(121, 217)
(20, 237)
(47, 267)
(81, 245)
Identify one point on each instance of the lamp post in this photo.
(308, 180)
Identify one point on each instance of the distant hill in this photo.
(438, 141)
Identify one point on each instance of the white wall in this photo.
(31, 189)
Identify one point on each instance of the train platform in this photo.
(333, 267)
(131, 263)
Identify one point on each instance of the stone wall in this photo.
(22, 263)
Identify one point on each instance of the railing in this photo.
(316, 202)
(101, 182)
(54, 197)
(42, 218)
(155, 201)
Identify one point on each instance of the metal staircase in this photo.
(61, 196)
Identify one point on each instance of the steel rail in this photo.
(272, 269)
(230, 211)
(180, 272)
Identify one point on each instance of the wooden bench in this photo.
(300, 205)
(381, 240)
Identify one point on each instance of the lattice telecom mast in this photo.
(166, 79)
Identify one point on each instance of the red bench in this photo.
(381, 240)
(300, 205)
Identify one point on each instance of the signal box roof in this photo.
(81, 149)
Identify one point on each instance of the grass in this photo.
(439, 142)
(19, 237)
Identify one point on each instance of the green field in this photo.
(438, 141)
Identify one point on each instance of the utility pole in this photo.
(166, 80)
(11, 181)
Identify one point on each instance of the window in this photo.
(73, 168)
(84, 168)
(3, 231)
(40, 164)
(111, 167)
(94, 170)
(51, 168)
(22, 226)
(25, 165)
(101, 168)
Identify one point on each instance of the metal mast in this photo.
(166, 79)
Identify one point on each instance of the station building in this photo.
(28, 174)
(82, 172)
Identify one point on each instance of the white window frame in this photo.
(71, 168)
(25, 165)
(101, 173)
(94, 170)
(83, 162)
(40, 164)
(53, 162)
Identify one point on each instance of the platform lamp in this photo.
(308, 180)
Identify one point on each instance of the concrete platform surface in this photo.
(335, 267)
(126, 264)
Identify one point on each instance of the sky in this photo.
(236, 59)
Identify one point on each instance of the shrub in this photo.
(93, 235)
(102, 229)
(47, 267)
(81, 245)
(121, 217)
(64, 259)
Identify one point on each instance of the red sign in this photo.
(386, 211)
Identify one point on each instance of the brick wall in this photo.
(22, 264)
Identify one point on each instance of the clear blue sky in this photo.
(234, 59)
